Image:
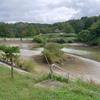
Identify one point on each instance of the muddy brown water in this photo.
(86, 64)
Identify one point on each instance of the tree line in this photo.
(84, 26)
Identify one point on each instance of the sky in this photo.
(47, 11)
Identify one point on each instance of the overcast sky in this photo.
(47, 11)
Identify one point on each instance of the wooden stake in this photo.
(11, 59)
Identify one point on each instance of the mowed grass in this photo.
(21, 87)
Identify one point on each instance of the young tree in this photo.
(43, 30)
(0, 30)
(69, 29)
(31, 31)
(94, 36)
(83, 35)
(6, 50)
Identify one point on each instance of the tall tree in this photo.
(37, 29)
(60, 26)
(43, 30)
(31, 31)
(69, 29)
(83, 35)
(94, 36)
(0, 30)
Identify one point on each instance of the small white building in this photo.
(40, 33)
(57, 31)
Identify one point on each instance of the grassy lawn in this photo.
(21, 87)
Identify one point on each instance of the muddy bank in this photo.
(84, 68)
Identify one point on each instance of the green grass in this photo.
(21, 87)
(50, 35)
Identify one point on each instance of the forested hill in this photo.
(85, 27)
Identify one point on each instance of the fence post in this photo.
(51, 71)
(68, 78)
(11, 59)
(49, 66)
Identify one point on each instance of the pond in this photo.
(89, 56)
(83, 51)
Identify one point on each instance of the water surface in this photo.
(89, 56)
(83, 51)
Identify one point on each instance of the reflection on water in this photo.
(25, 49)
(79, 49)
(79, 52)
(76, 44)
(84, 51)
(25, 52)
(75, 49)
(22, 46)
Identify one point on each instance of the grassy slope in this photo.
(21, 87)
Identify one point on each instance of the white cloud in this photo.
(46, 11)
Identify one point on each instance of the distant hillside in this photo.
(20, 29)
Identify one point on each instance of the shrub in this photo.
(53, 52)
(26, 65)
(29, 66)
(43, 43)
(50, 36)
(99, 42)
(61, 40)
(38, 39)
(70, 40)
(69, 35)
(21, 39)
(55, 77)
(4, 39)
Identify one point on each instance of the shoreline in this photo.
(81, 67)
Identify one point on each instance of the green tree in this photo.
(83, 35)
(6, 30)
(37, 29)
(77, 25)
(69, 29)
(6, 50)
(0, 30)
(42, 30)
(94, 36)
(31, 31)
(37, 39)
(60, 26)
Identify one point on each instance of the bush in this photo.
(69, 35)
(43, 43)
(99, 42)
(53, 52)
(70, 40)
(61, 40)
(50, 36)
(29, 66)
(26, 65)
(38, 39)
